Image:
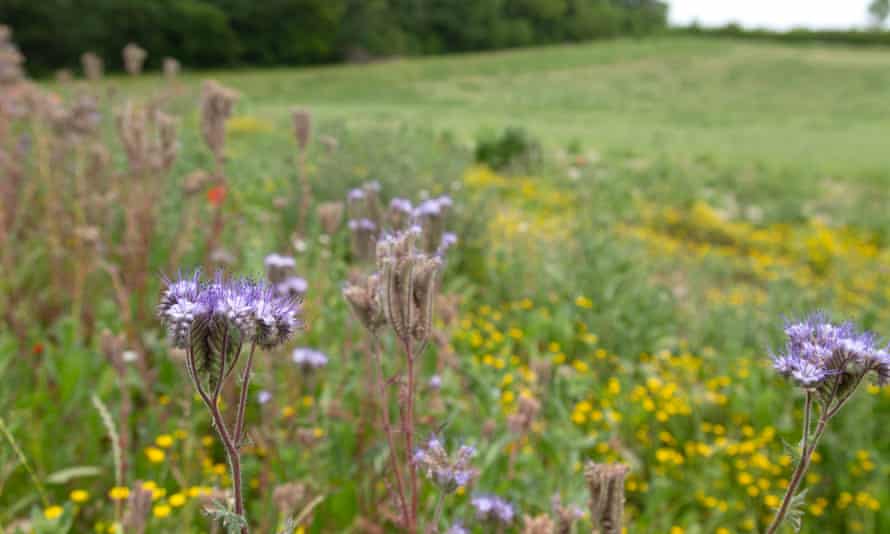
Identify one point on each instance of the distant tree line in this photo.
(220, 33)
(866, 37)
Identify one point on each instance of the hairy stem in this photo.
(409, 435)
(242, 401)
(388, 430)
(433, 527)
(801, 469)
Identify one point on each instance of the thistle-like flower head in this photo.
(818, 351)
(494, 509)
(449, 473)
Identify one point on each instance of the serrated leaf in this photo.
(66, 475)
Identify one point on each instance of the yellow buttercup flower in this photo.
(79, 496)
(155, 455)
(119, 493)
(161, 511)
(53, 512)
(164, 441)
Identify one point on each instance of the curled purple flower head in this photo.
(818, 349)
(429, 207)
(278, 261)
(493, 508)
(449, 239)
(182, 289)
(449, 473)
(457, 528)
(293, 287)
(402, 205)
(309, 359)
(356, 194)
(239, 311)
(435, 382)
(362, 224)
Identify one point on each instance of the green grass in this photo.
(691, 191)
(805, 109)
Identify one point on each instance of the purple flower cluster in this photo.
(362, 224)
(446, 472)
(309, 359)
(818, 350)
(434, 206)
(248, 311)
(493, 508)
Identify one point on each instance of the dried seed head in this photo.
(93, 66)
(11, 59)
(196, 181)
(330, 214)
(288, 497)
(363, 239)
(138, 507)
(541, 524)
(217, 102)
(149, 138)
(364, 299)
(606, 485)
(134, 58)
(279, 268)
(520, 422)
(171, 69)
(302, 127)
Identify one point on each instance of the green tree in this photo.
(879, 10)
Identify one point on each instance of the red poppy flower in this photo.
(216, 195)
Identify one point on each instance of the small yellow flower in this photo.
(161, 511)
(119, 493)
(308, 401)
(318, 432)
(207, 441)
(676, 530)
(177, 499)
(155, 455)
(53, 512)
(164, 441)
(583, 302)
(288, 411)
(79, 496)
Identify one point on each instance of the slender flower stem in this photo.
(409, 435)
(388, 430)
(807, 413)
(434, 524)
(799, 472)
(242, 401)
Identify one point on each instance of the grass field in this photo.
(691, 193)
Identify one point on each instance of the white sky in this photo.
(774, 14)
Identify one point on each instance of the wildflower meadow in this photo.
(623, 286)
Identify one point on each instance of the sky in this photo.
(773, 14)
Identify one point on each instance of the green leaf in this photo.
(66, 475)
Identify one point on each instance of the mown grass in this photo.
(691, 193)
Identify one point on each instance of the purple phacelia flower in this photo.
(493, 508)
(457, 528)
(309, 359)
(263, 397)
(817, 350)
(278, 261)
(446, 472)
(356, 194)
(248, 308)
(401, 204)
(293, 286)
